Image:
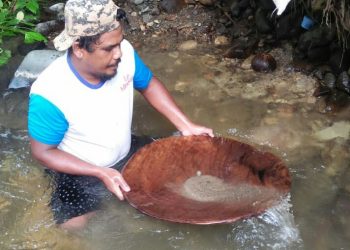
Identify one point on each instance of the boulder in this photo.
(32, 65)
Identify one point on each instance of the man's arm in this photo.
(159, 97)
(60, 161)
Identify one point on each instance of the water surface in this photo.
(275, 112)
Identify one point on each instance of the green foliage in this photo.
(17, 17)
(5, 55)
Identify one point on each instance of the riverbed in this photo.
(276, 112)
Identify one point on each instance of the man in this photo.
(80, 110)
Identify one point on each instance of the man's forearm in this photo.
(63, 162)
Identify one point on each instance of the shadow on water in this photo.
(274, 112)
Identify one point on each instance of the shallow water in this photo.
(270, 111)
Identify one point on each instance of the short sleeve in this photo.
(46, 123)
(143, 74)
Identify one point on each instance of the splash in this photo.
(274, 229)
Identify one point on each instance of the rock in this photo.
(57, 8)
(343, 82)
(146, 18)
(338, 129)
(137, 2)
(247, 63)
(172, 6)
(262, 21)
(239, 6)
(264, 62)
(32, 65)
(155, 11)
(221, 40)
(318, 37)
(241, 48)
(48, 27)
(188, 45)
(207, 2)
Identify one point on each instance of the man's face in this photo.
(102, 63)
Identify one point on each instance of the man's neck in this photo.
(79, 67)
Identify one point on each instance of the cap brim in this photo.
(63, 41)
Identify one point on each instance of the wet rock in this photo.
(318, 37)
(263, 22)
(32, 65)
(172, 6)
(338, 129)
(188, 45)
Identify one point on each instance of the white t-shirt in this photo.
(92, 122)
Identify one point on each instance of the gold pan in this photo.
(204, 180)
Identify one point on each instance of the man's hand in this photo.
(114, 182)
(194, 129)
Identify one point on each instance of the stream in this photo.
(276, 112)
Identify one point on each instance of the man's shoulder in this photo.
(127, 47)
(53, 75)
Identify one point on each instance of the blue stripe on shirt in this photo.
(46, 123)
(143, 74)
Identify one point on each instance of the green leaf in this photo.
(33, 6)
(1, 4)
(20, 4)
(31, 37)
(8, 33)
(12, 22)
(5, 55)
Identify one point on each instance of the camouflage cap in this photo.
(86, 18)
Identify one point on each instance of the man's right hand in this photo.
(114, 182)
(60, 161)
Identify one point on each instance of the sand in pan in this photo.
(208, 188)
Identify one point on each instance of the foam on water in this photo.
(274, 229)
